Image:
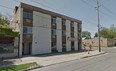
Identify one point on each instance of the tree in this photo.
(96, 34)
(4, 20)
(107, 32)
(4, 29)
(86, 34)
(112, 31)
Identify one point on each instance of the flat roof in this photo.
(38, 9)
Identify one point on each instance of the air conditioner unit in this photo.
(28, 35)
(54, 24)
(53, 36)
(28, 20)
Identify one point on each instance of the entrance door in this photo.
(72, 46)
(26, 48)
(79, 46)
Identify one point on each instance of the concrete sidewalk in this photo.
(49, 60)
(114, 47)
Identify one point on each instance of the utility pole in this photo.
(98, 24)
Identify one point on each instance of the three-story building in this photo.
(42, 31)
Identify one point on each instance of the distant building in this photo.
(42, 31)
(115, 41)
(105, 42)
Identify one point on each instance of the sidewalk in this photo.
(49, 60)
(114, 47)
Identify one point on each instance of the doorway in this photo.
(26, 48)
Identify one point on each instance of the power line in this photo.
(15, 0)
(6, 7)
(107, 9)
(108, 16)
(13, 9)
(44, 5)
(35, 1)
(87, 3)
(102, 12)
(98, 21)
(48, 6)
(33, 14)
(52, 8)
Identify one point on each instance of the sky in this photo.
(84, 10)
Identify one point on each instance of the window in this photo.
(63, 22)
(27, 15)
(28, 35)
(79, 25)
(53, 20)
(72, 46)
(63, 44)
(53, 32)
(63, 33)
(24, 30)
(79, 35)
(27, 30)
(53, 44)
(72, 34)
(72, 24)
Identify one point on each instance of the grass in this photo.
(19, 67)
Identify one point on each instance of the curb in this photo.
(62, 62)
(32, 68)
(68, 61)
(93, 55)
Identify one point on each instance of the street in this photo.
(104, 62)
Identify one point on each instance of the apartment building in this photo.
(42, 31)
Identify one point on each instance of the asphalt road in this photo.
(104, 62)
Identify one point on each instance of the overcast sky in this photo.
(80, 9)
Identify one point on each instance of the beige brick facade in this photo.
(105, 42)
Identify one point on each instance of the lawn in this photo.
(20, 67)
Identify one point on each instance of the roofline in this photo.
(38, 9)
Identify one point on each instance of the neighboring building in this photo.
(8, 45)
(115, 41)
(42, 31)
(7, 48)
(105, 42)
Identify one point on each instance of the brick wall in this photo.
(6, 40)
(104, 42)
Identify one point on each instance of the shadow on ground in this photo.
(5, 63)
(57, 54)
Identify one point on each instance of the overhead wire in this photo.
(108, 10)
(35, 15)
(101, 5)
(53, 9)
